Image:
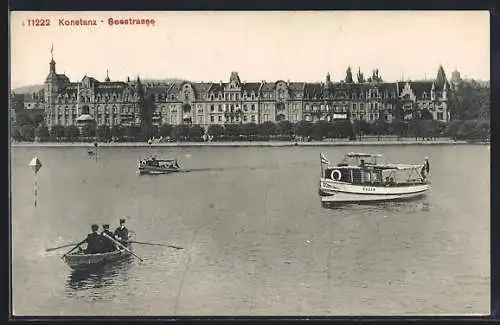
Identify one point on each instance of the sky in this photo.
(271, 46)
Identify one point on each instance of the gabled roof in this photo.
(251, 86)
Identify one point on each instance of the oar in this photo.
(77, 245)
(154, 244)
(63, 246)
(120, 245)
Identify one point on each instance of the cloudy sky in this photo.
(207, 46)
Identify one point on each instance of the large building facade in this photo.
(123, 102)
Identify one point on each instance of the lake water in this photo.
(256, 239)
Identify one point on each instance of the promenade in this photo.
(244, 143)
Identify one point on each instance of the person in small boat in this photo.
(94, 241)
(121, 233)
(108, 244)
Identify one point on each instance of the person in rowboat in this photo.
(94, 241)
(121, 233)
(108, 244)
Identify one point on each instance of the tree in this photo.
(216, 130)
(285, 128)
(103, 132)
(426, 115)
(360, 77)
(452, 128)
(379, 127)
(42, 132)
(399, 127)
(468, 100)
(320, 130)
(165, 130)
(196, 132)
(303, 128)
(348, 75)
(133, 132)
(431, 128)
(232, 130)
(250, 129)
(71, 132)
(15, 133)
(57, 131)
(117, 131)
(267, 129)
(180, 132)
(415, 129)
(27, 132)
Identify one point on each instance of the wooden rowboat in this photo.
(80, 261)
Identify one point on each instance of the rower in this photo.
(94, 241)
(121, 233)
(108, 244)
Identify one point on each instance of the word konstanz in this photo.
(77, 22)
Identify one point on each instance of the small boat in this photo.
(153, 165)
(356, 180)
(80, 261)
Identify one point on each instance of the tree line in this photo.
(283, 130)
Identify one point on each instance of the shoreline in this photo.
(243, 144)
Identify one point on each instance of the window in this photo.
(266, 117)
(212, 108)
(220, 108)
(371, 117)
(253, 118)
(237, 96)
(244, 118)
(353, 105)
(212, 119)
(253, 107)
(253, 96)
(361, 106)
(295, 118)
(220, 118)
(226, 96)
(440, 116)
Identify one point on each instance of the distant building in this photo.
(207, 103)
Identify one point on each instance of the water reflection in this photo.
(102, 277)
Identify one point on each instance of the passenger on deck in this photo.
(94, 241)
(108, 244)
(121, 233)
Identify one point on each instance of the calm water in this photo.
(256, 239)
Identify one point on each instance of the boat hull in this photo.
(156, 170)
(78, 261)
(340, 192)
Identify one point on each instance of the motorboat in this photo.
(360, 178)
(153, 165)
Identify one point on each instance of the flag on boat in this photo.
(324, 160)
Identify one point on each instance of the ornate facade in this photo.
(124, 103)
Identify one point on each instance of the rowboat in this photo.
(80, 261)
(369, 181)
(153, 165)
